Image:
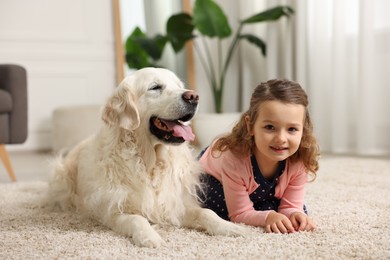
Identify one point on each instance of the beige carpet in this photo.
(350, 201)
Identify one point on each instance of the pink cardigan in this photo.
(236, 176)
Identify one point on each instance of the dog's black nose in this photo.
(191, 97)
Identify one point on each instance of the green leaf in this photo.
(136, 57)
(256, 41)
(142, 51)
(272, 14)
(137, 61)
(210, 20)
(130, 44)
(153, 46)
(179, 30)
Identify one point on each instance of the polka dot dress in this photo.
(263, 197)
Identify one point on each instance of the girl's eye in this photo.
(269, 127)
(292, 129)
(156, 87)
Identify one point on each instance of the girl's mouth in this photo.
(278, 149)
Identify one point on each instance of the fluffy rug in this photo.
(349, 201)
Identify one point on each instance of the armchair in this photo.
(13, 110)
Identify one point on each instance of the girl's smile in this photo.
(277, 132)
(279, 149)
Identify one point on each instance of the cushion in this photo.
(5, 101)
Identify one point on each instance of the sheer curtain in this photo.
(343, 59)
(156, 16)
(339, 51)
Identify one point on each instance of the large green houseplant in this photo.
(207, 20)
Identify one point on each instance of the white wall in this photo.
(67, 47)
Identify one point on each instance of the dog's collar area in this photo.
(171, 131)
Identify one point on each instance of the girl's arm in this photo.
(236, 177)
(241, 210)
(292, 190)
(239, 205)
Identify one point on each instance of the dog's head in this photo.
(153, 100)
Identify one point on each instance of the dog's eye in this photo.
(156, 87)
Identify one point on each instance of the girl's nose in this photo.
(280, 137)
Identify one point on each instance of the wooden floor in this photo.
(27, 166)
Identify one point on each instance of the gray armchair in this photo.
(13, 110)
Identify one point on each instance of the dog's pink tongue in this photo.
(183, 131)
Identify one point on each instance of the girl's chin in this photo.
(279, 155)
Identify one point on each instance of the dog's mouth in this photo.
(172, 131)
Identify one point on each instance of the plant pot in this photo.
(208, 126)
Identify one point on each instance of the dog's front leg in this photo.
(138, 228)
(201, 218)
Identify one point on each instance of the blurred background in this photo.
(338, 50)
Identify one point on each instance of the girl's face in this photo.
(277, 130)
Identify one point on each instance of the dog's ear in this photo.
(121, 109)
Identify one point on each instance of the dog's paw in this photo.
(226, 228)
(236, 229)
(148, 238)
(214, 225)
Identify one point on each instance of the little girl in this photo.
(257, 174)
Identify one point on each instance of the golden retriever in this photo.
(139, 169)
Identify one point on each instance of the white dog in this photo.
(138, 169)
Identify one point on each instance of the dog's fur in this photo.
(132, 173)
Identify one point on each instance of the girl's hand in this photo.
(302, 222)
(278, 223)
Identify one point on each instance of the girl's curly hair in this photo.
(241, 143)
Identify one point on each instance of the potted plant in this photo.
(207, 21)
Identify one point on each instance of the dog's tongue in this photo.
(179, 130)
